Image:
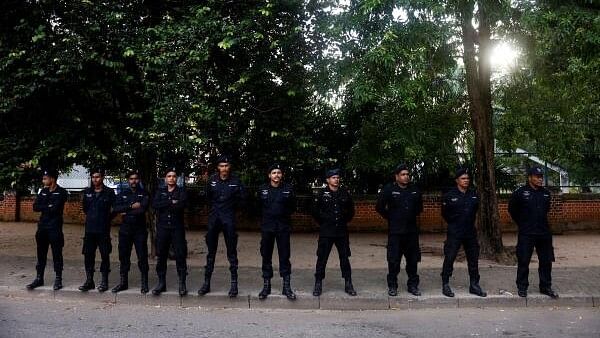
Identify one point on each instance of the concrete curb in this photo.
(328, 301)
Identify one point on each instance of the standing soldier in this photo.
(225, 194)
(333, 208)
(459, 208)
(132, 204)
(400, 203)
(169, 204)
(277, 203)
(528, 207)
(98, 201)
(50, 202)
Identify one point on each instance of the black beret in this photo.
(333, 172)
(170, 169)
(50, 172)
(133, 172)
(535, 171)
(400, 167)
(97, 170)
(223, 159)
(462, 171)
(275, 166)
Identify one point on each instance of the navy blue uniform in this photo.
(459, 211)
(97, 207)
(133, 229)
(170, 228)
(400, 207)
(224, 198)
(333, 210)
(276, 205)
(529, 208)
(50, 227)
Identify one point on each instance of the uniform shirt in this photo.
(529, 208)
(224, 196)
(400, 206)
(51, 205)
(276, 205)
(132, 218)
(459, 210)
(97, 207)
(170, 215)
(333, 210)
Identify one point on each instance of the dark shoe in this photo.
(287, 289)
(447, 291)
(182, 286)
(161, 286)
(123, 285)
(349, 288)
(266, 290)
(475, 289)
(414, 290)
(233, 290)
(37, 282)
(318, 288)
(205, 287)
(89, 282)
(522, 293)
(103, 283)
(392, 291)
(58, 282)
(549, 292)
(144, 282)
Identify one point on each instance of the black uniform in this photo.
(97, 207)
(277, 205)
(459, 210)
(401, 206)
(224, 197)
(50, 227)
(133, 229)
(529, 208)
(170, 229)
(333, 210)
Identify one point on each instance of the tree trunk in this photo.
(478, 72)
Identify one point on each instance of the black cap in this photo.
(400, 167)
(461, 171)
(50, 172)
(535, 171)
(223, 159)
(170, 169)
(96, 170)
(275, 166)
(333, 172)
(133, 172)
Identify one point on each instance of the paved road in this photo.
(42, 318)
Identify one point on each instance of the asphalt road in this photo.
(52, 318)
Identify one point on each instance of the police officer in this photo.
(459, 208)
(333, 209)
(400, 203)
(132, 204)
(225, 194)
(277, 202)
(98, 201)
(50, 202)
(169, 203)
(528, 207)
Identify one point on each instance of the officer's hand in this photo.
(174, 201)
(136, 205)
(50, 205)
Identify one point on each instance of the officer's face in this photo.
(463, 181)
(133, 181)
(275, 176)
(334, 181)
(536, 180)
(171, 178)
(403, 177)
(48, 181)
(97, 179)
(224, 169)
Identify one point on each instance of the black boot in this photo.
(205, 287)
(475, 289)
(58, 281)
(447, 291)
(103, 282)
(349, 288)
(38, 281)
(123, 285)
(549, 292)
(266, 290)
(144, 282)
(414, 290)
(287, 288)
(89, 282)
(182, 286)
(233, 290)
(522, 292)
(161, 286)
(318, 287)
(392, 290)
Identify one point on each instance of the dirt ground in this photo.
(368, 249)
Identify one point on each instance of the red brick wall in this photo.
(568, 212)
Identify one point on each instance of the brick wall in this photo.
(568, 212)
